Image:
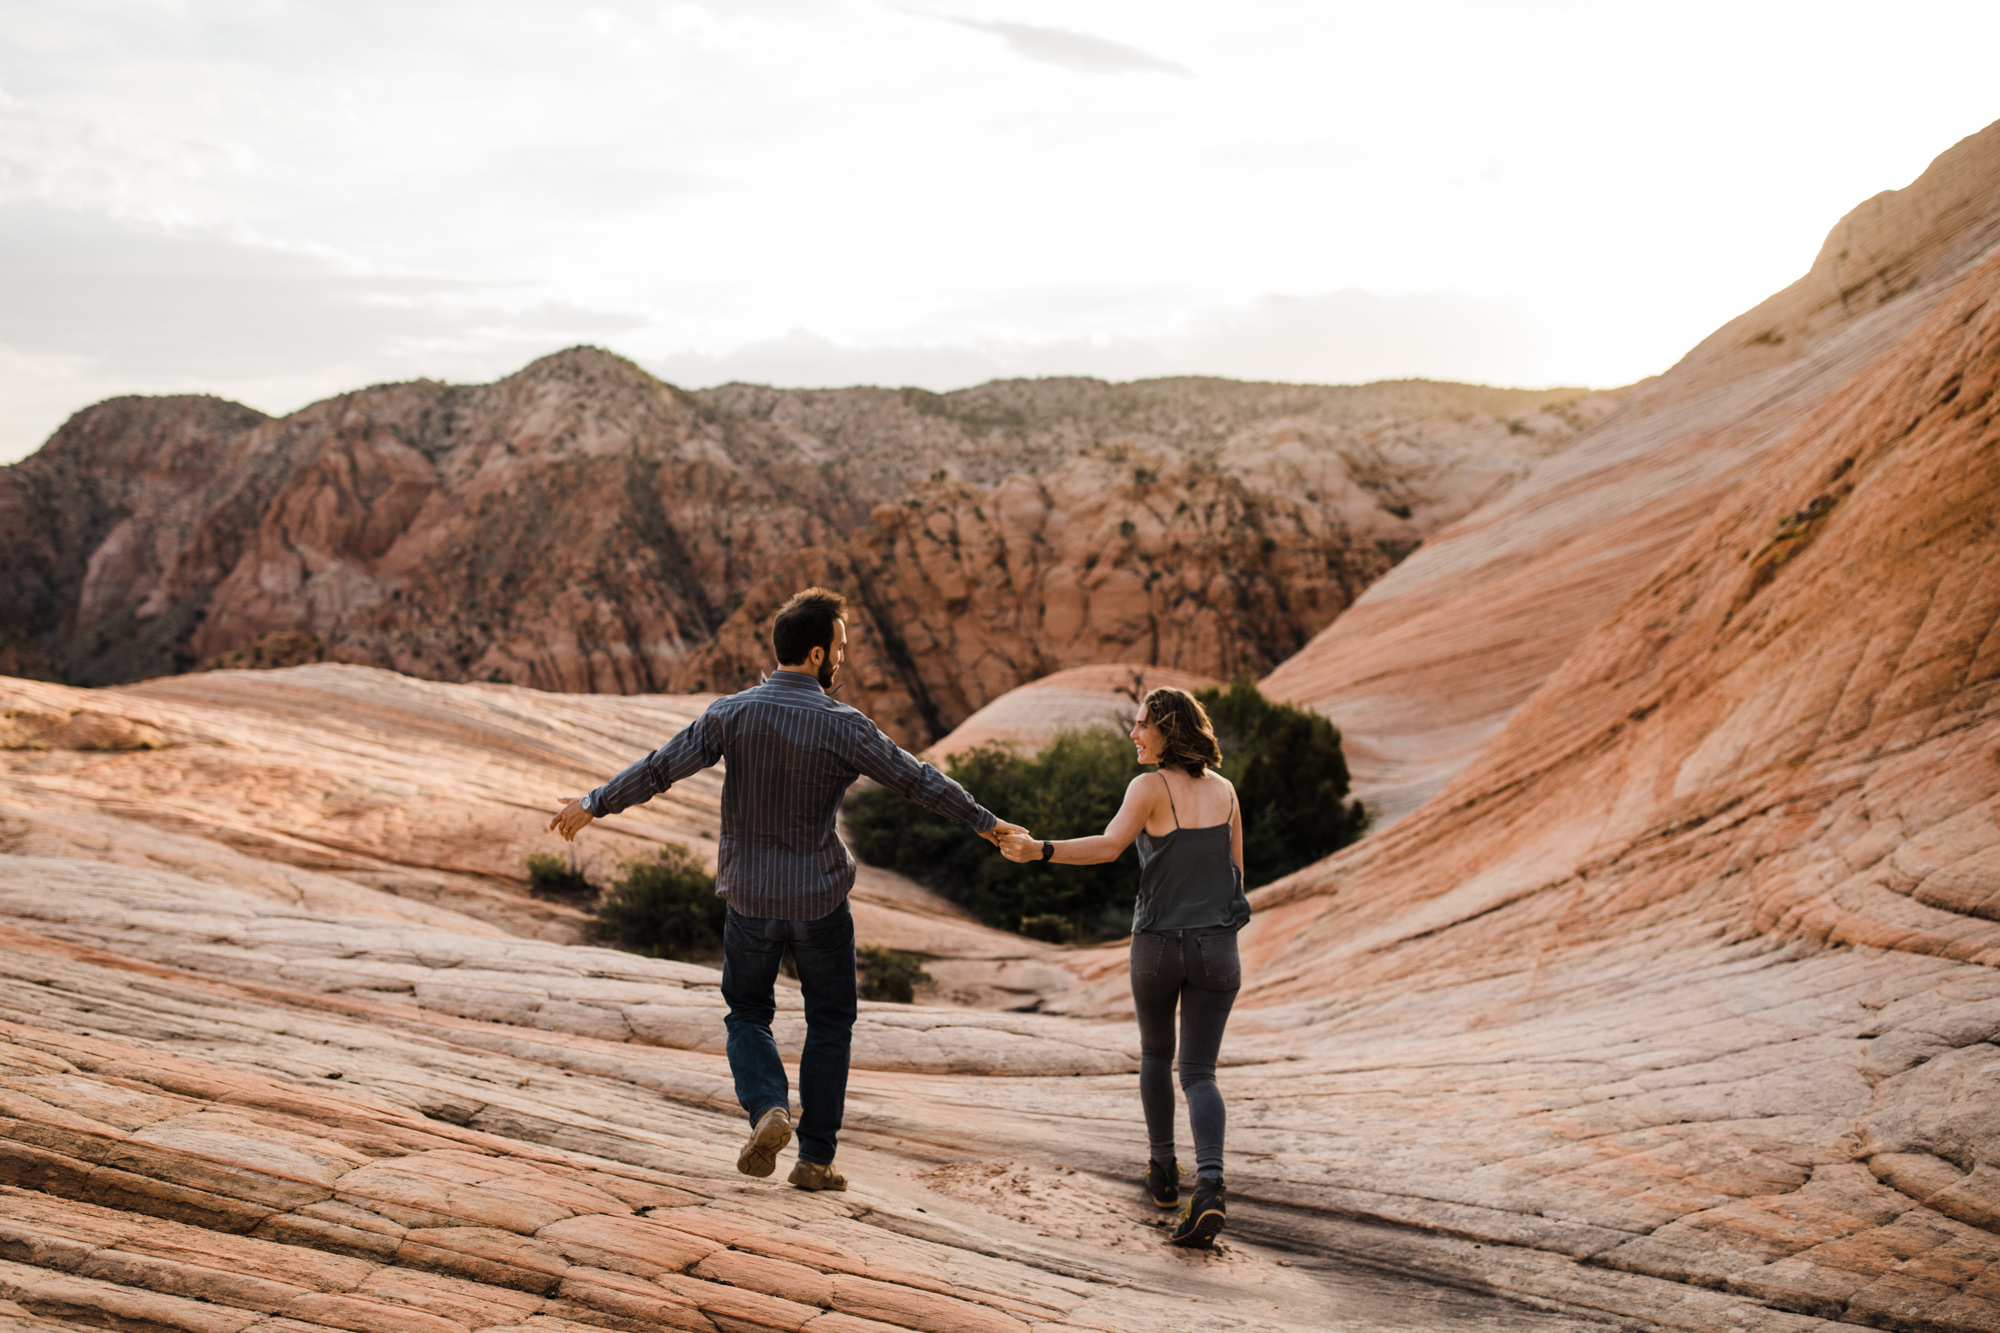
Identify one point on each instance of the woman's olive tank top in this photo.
(1187, 880)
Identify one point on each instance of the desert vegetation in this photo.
(1286, 763)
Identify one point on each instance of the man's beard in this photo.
(826, 675)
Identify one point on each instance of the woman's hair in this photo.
(1187, 740)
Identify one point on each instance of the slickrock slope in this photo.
(1073, 700)
(1693, 973)
(582, 526)
(357, 791)
(276, 1053)
(1430, 662)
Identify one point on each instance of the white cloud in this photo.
(98, 306)
(1076, 51)
(278, 199)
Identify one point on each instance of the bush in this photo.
(1049, 928)
(663, 908)
(1070, 789)
(889, 974)
(1290, 777)
(554, 878)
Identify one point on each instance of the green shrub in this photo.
(554, 878)
(1290, 777)
(1049, 928)
(663, 908)
(889, 974)
(1068, 790)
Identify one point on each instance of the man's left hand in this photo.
(571, 819)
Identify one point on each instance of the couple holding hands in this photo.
(793, 752)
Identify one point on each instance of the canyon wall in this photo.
(582, 526)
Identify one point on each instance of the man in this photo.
(792, 754)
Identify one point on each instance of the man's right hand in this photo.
(1001, 830)
(571, 819)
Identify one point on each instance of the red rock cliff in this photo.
(582, 526)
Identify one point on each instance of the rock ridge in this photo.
(582, 526)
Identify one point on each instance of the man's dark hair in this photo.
(806, 623)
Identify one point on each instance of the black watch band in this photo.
(1048, 849)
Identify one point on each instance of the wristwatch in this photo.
(1048, 849)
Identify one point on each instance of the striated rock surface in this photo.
(356, 791)
(279, 1050)
(1692, 973)
(1431, 661)
(582, 526)
(1073, 700)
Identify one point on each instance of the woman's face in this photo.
(1146, 737)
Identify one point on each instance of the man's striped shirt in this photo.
(792, 752)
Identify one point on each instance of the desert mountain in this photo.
(582, 526)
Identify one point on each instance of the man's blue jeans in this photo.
(823, 952)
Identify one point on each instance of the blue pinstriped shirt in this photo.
(792, 754)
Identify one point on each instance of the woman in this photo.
(1191, 904)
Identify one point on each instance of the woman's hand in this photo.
(1021, 847)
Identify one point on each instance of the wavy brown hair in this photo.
(1187, 740)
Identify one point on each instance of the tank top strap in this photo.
(1170, 797)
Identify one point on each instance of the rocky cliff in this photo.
(581, 526)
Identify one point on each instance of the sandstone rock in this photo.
(1075, 699)
(1433, 659)
(582, 526)
(1676, 1008)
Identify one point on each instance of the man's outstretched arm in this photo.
(909, 777)
(695, 747)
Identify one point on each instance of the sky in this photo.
(277, 200)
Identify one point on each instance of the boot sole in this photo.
(760, 1156)
(1201, 1232)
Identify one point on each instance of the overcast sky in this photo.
(279, 199)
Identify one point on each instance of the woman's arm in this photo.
(1235, 829)
(1109, 845)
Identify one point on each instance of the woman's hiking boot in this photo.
(1205, 1214)
(1163, 1182)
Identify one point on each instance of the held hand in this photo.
(1001, 830)
(1021, 847)
(571, 819)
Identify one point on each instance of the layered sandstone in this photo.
(303, 787)
(1079, 699)
(1692, 972)
(582, 526)
(1431, 661)
(276, 1004)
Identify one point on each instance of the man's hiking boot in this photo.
(1163, 1182)
(1205, 1214)
(760, 1154)
(816, 1176)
